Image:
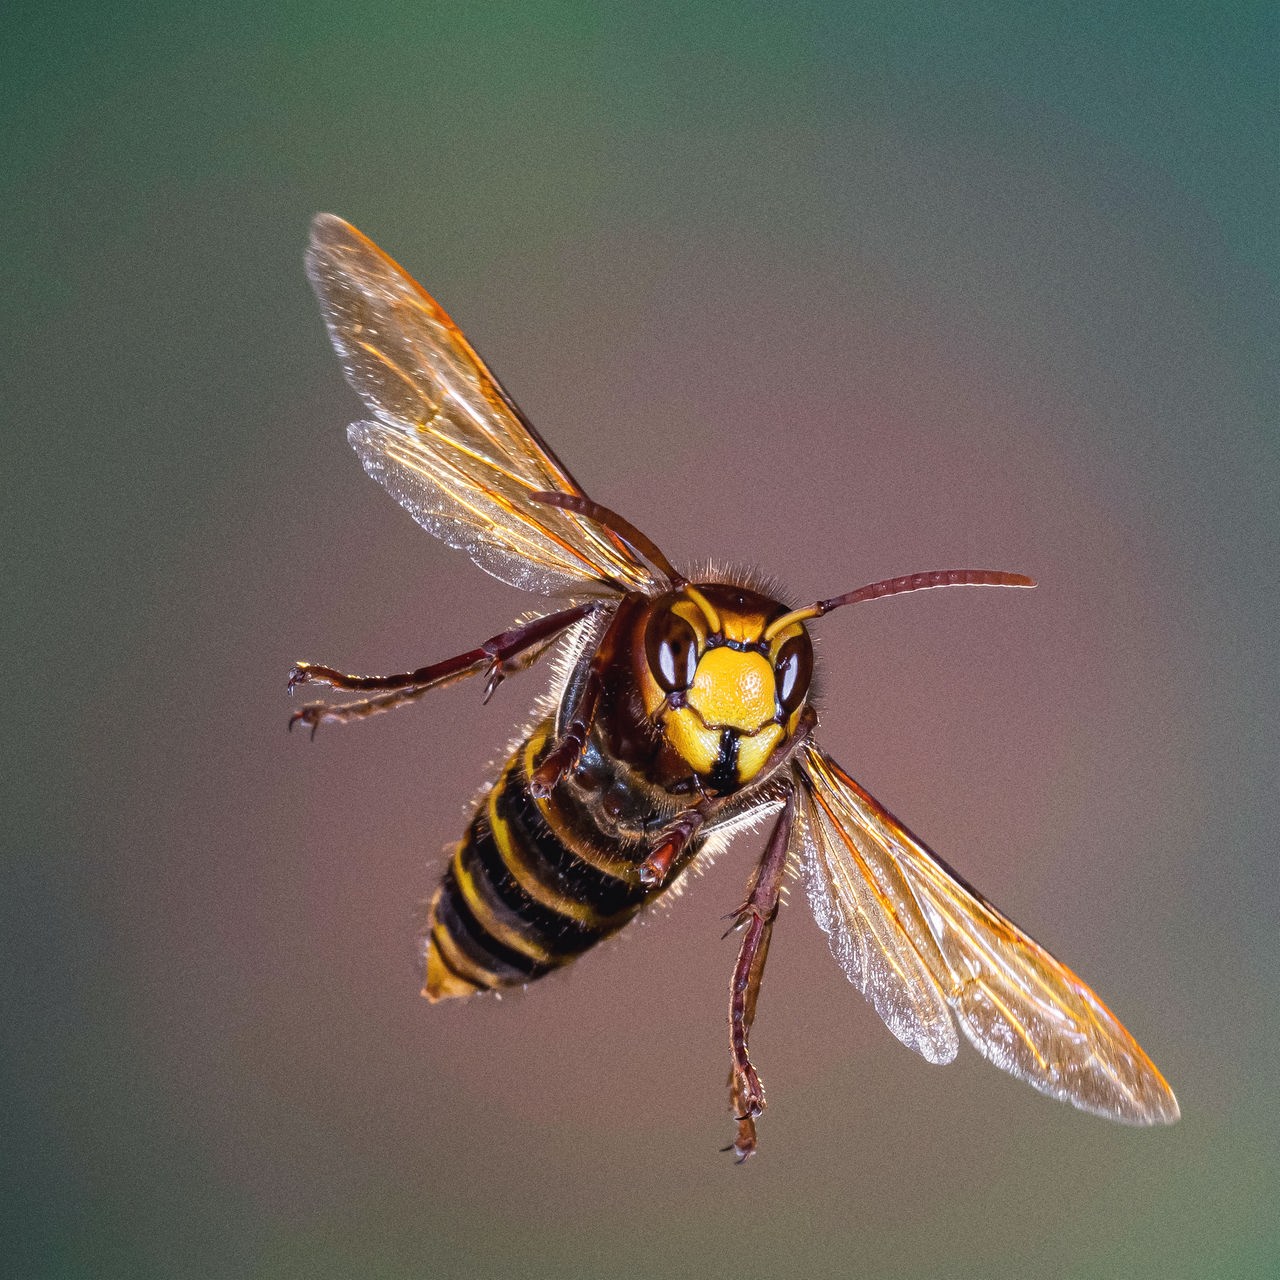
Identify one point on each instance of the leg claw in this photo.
(311, 715)
(493, 679)
(738, 918)
(558, 762)
(542, 782)
(744, 1145)
(299, 673)
(653, 870)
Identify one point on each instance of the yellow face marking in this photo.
(733, 690)
(697, 745)
(775, 637)
(740, 627)
(755, 750)
(733, 679)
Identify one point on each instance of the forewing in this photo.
(1021, 1008)
(872, 922)
(447, 442)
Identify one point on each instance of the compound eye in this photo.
(672, 649)
(795, 669)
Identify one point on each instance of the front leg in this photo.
(757, 913)
(577, 725)
(501, 655)
(672, 843)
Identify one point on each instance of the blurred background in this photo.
(841, 291)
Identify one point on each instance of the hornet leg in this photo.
(576, 714)
(499, 656)
(577, 725)
(757, 913)
(671, 844)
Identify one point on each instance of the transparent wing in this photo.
(1021, 1008)
(865, 907)
(446, 441)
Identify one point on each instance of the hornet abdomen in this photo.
(533, 884)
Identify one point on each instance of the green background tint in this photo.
(839, 291)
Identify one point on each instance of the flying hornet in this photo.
(680, 717)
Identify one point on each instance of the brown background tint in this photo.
(843, 293)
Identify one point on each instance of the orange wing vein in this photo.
(919, 944)
(446, 441)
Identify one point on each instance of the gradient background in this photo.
(844, 292)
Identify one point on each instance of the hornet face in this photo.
(724, 688)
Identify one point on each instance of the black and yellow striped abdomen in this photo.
(532, 885)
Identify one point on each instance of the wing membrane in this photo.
(865, 907)
(1018, 1006)
(447, 442)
